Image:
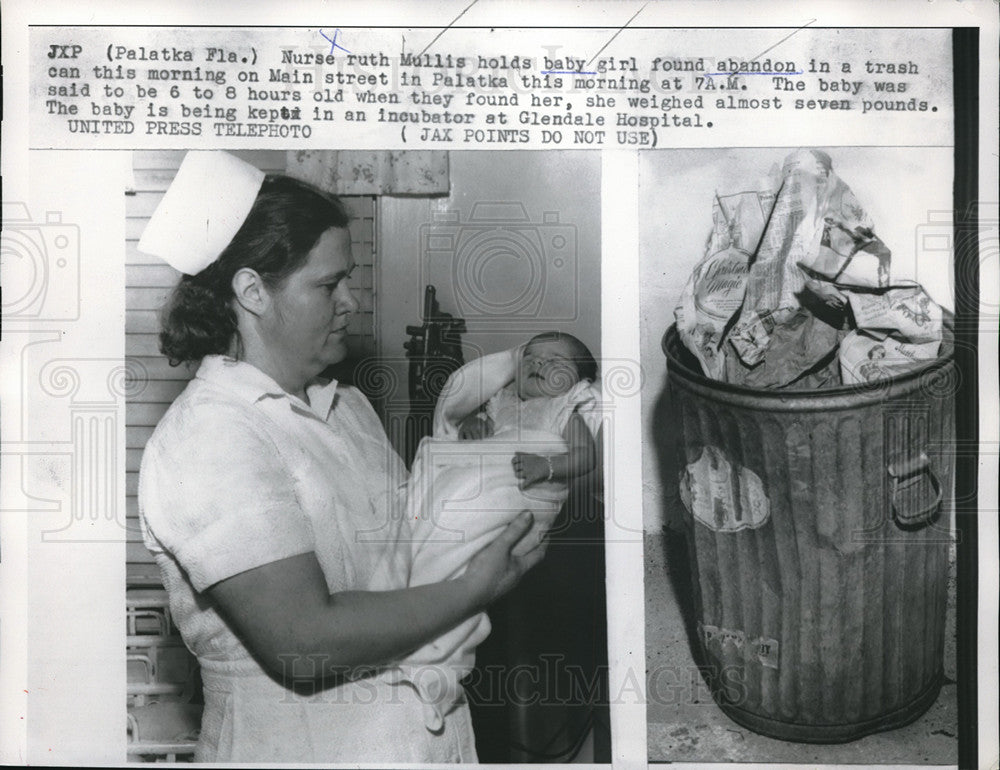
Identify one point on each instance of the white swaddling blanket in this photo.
(461, 495)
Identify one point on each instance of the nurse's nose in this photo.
(346, 301)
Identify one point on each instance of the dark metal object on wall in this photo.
(434, 352)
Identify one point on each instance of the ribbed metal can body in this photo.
(818, 530)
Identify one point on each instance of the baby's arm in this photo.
(532, 469)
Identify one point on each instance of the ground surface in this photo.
(685, 725)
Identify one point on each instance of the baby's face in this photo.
(545, 369)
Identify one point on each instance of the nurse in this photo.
(270, 498)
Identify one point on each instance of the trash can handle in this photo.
(916, 491)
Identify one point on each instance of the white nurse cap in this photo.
(202, 210)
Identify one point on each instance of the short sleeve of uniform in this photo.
(215, 494)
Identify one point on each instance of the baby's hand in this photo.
(475, 427)
(530, 469)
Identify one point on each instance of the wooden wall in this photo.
(148, 283)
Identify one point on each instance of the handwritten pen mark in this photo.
(793, 32)
(564, 72)
(741, 74)
(620, 30)
(448, 27)
(334, 45)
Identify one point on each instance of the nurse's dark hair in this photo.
(583, 359)
(286, 220)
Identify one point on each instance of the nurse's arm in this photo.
(286, 617)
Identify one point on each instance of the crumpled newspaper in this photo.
(714, 292)
(866, 359)
(794, 273)
(804, 339)
(849, 254)
(793, 231)
(896, 330)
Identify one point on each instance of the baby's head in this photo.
(552, 363)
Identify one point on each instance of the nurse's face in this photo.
(307, 328)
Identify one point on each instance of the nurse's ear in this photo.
(250, 291)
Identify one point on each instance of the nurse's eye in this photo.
(331, 286)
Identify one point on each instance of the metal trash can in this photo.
(818, 531)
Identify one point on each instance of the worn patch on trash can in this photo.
(766, 651)
(721, 496)
(762, 649)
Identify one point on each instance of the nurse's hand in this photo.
(496, 569)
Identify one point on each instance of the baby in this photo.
(474, 476)
(553, 376)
